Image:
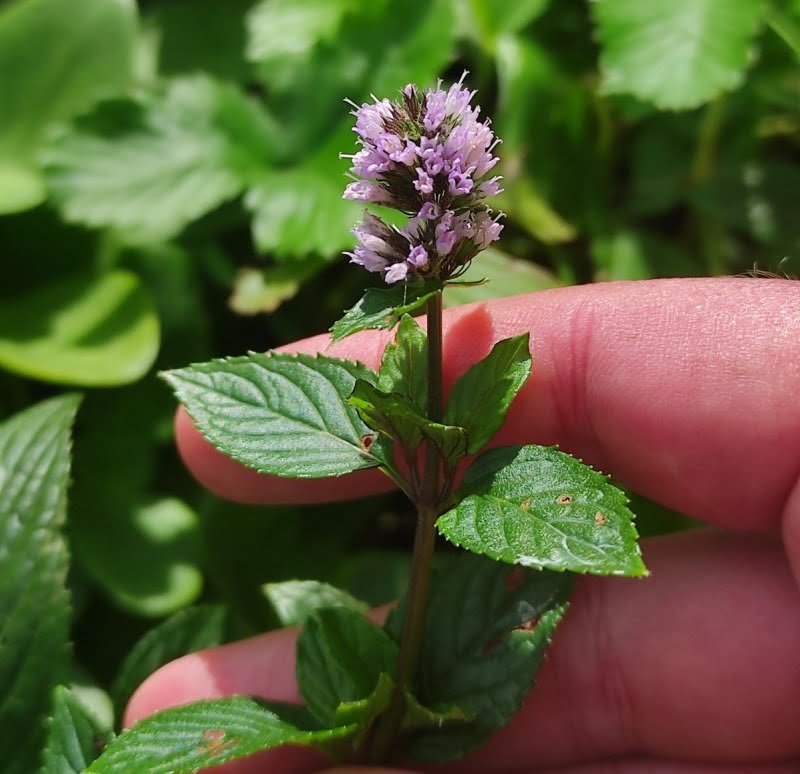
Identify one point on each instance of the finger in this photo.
(685, 390)
(654, 766)
(698, 662)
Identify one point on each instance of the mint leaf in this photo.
(405, 362)
(149, 167)
(383, 307)
(186, 739)
(187, 631)
(481, 397)
(397, 418)
(294, 601)
(75, 736)
(486, 631)
(286, 415)
(93, 331)
(538, 507)
(43, 82)
(34, 605)
(340, 658)
(677, 55)
(364, 711)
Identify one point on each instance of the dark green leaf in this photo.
(146, 558)
(340, 658)
(93, 331)
(397, 418)
(188, 631)
(186, 739)
(75, 736)
(538, 507)
(404, 364)
(377, 577)
(281, 414)
(150, 167)
(294, 601)
(481, 397)
(43, 80)
(675, 54)
(34, 605)
(383, 308)
(202, 35)
(482, 648)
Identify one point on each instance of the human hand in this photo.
(687, 391)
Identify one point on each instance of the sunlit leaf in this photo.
(538, 507)
(43, 81)
(34, 604)
(675, 53)
(86, 330)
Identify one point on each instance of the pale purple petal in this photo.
(396, 272)
(418, 257)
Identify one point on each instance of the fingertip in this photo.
(182, 681)
(230, 480)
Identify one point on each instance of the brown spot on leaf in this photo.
(214, 742)
(367, 441)
(564, 499)
(525, 504)
(600, 518)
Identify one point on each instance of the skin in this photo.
(687, 391)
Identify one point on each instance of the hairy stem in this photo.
(428, 505)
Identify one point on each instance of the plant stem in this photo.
(388, 725)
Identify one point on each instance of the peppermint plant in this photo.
(455, 658)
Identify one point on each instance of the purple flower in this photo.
(364, 191)
(418, 257)
(429, 211)
(396, 272)
(428, 155)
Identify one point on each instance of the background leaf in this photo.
(56, 59)
(75, 736)
(294, 601)
(282, 414)
(340, 658)
(539, 507)
(149, 167)
(675, 54)
(146, 558)
(34, 605)
(187, 631)
(504, 276)
(92, 331)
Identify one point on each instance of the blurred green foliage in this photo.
(170, 191)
